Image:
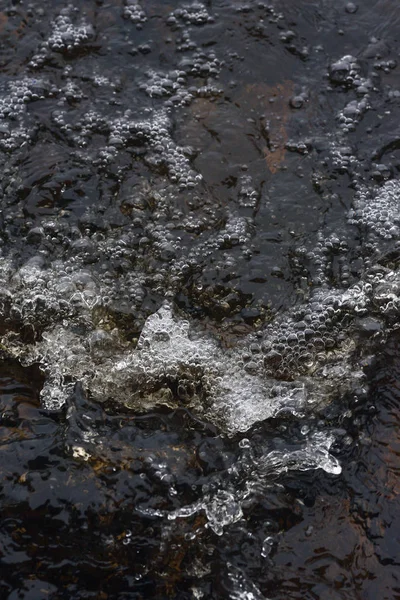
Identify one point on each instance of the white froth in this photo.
(222, 386)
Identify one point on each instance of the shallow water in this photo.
(199, 298)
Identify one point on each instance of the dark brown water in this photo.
(199, 299)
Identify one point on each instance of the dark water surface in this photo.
(199, 300)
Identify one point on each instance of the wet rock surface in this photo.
(199, 299)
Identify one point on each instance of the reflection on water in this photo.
(199, 249)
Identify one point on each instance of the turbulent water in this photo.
(199, 299)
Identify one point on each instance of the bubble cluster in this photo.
(294, 45)
(344, 158)
(99, 294)
(134, 12)
(352, 113)
(378, 210)
(345, 71)
(190, 14)
(296, 345)
(156, 133)
(65, 37)
(72, 92)
(14, 138)
(145, 133)
(294, 364)
(184, 262)
(201, 64)
(184, 43)
(153, 132)
(248, 195)
(174, 85)
(172, 362)
(164, 85)
(16, 94)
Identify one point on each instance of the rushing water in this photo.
(199, 298)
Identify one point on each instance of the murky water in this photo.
(199, 298)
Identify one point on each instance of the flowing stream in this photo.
(199, 300)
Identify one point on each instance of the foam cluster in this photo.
(15, 95)
(378, 210)
(346, 72)
(134, 12)
(153, 132)
(90, 293)
(172, 363)
(66, 36)
(296, 363)
(248, 196)
(190, 14)
(174, 84)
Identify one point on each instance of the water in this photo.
(199, 243)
